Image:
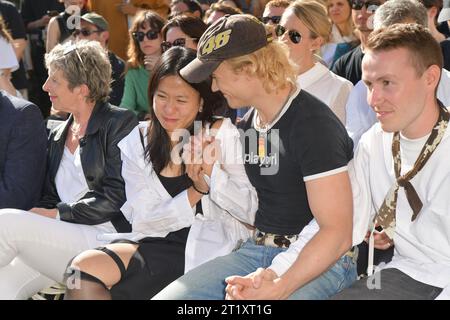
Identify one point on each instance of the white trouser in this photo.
(35, 251)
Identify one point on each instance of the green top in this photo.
(135, 94)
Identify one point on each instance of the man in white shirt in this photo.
(400, 172)
(360, 116)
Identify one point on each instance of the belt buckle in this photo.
(273, 240)
(352, 253)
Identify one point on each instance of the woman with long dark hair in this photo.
(183, 213)
(144, 49)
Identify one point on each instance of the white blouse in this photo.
(71, 183)
(330, 88)
(154, 213)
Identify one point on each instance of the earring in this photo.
(200, 108)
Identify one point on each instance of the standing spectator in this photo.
(61, 27)
(36, 16)
(15, 25)
(144, 50)
(95, 28)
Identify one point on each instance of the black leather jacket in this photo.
(102, 166)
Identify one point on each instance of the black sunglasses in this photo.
(294, 36)
(370, 5)
(85, 32)
(180, 42)
(274, 19)
(151, 35)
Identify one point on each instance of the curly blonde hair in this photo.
(271, 64)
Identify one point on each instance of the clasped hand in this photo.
(199, 156)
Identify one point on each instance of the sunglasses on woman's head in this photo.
(150, 34)
(371, 5)
(294, 36)
(274, 19)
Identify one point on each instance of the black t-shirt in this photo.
(33, 10)
(349, 65)
(312, 141)
(15, 25)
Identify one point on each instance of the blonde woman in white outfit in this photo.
(304, 27)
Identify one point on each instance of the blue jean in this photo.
(207, 282)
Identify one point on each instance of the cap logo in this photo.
(216, 42)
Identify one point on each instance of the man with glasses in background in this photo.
(95, 28)
(273, 11)
(349, 65)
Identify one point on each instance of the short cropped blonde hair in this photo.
(271, 64)
(84, 62)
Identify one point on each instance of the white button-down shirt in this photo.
(154, 213)
(328, 87)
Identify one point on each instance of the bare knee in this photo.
(97, 264)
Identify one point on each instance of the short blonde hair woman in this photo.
(304, 27)
(83, 189)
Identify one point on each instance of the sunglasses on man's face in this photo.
(274, 19)
(85, 32)
(150, 34)
(371, 5)
(294, 36)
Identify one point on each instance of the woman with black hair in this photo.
(182, 31)
(184, 210)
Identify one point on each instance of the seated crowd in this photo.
(245, 150)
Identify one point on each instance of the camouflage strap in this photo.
(385, 216)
